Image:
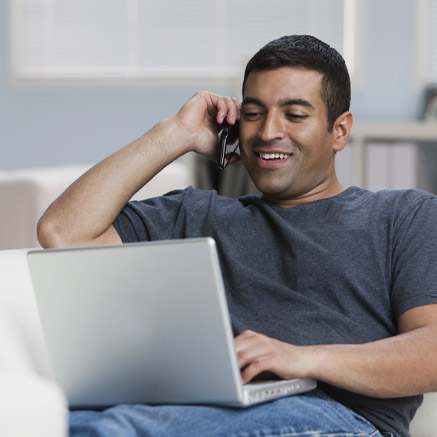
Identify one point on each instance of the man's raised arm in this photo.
(84, 213)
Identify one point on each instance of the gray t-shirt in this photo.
(337, 270)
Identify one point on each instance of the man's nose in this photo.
(272, 128)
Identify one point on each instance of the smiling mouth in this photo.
(270, 156)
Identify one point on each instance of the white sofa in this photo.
(31, 403)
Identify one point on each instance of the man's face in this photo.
(284, 139)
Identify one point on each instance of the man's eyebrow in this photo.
(252, 100)
(297, 101)
(281, 102)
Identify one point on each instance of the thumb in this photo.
(235, 158)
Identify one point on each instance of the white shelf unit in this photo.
(365, 133)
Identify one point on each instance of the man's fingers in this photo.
(257, 366)
(257, 353)
(228, 109)
(234, 109)
(250, 347)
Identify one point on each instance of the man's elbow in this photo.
(54, 233)
(49, 234)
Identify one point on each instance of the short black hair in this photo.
(306, 51)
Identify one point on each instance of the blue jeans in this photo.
(310, 414)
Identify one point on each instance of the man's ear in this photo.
(341, 130)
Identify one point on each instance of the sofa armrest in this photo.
(424, 423)
(31, 406)
(31, 403)
(26, 194)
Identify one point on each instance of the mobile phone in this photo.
(228, 145)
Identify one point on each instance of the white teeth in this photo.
(274, 155)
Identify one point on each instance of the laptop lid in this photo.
(138, 323)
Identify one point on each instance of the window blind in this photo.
(166, 39)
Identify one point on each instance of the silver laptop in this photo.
(142, 323)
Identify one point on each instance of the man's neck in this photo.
(322, 191)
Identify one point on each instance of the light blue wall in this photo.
(50, 125)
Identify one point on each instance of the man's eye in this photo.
(251, 115)
(297, 116)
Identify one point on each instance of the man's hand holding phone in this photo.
(203, 117)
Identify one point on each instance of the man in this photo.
(324, 282)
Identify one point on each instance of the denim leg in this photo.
(310, 414)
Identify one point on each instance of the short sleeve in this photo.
(414, 260)
(151, 219)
